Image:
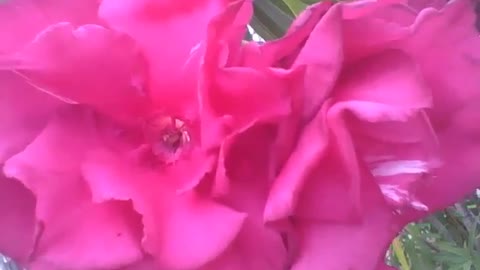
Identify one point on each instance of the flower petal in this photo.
(324, 244)
(22, 20)
(460, 152)
(17, 206)
(450, 66)
(261, 245)
(150, 23)
(88, 65)
(321, 69)
(398, 154)
(290, 183)
(249, 181)
(182, 230)
(105, 236)
(362, 91)
(242, 96)
(363, 85)
(379, 27)
(419, 5)
(72, 226)
(24, 113)
(224, 44)
(283, 52)
(234, 96)
(146, 263)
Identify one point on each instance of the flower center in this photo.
(169, 138)
(175, 138)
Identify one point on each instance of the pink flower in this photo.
(382, 129)
(108, 159)
(147, 135)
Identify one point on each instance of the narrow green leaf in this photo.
(269, 20)
(439, 226)
(463, 266)
(309, 2)
(283, 6)
(476, 261)
(467, 266)
(295, 6)
(450, 248)
(399, 252)
(263, 30)
(419, 249)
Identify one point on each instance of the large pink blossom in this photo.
(145, 134)
(383, 125)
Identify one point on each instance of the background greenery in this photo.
(449, 240)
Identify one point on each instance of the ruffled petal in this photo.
(321, 69)
(88, 65)
(290, 182)
(248, 182)
(283, 52)
(362, 87)
(17, 206)
(173, 73)
(182, 230)
(399, 155)
(328, 135)
(261, 245)
(235, 98)
(93, 236)
(53, 141)
(456, 54)
(422, 4)
(146, 263)
(459, 154)
(224, 44)
(42, 266)
(380, 26)
(406, 99)
(22, 20)
(324, 244)
(451, 67)
(72, 226)
(24, 113)
(235, 95)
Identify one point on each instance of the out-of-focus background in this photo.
(7, 264)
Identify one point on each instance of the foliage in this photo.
(447, 240)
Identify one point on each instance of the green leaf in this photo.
(309, 2)
(467, 266)
(295, 6)
(263, 29)
(450, 248)
(476, 261)
(419, 250)
(464, 266)
(399, 252)
(270, 21)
